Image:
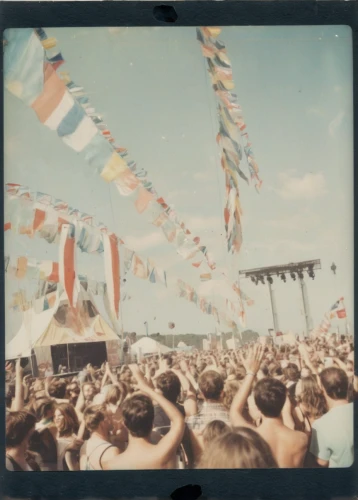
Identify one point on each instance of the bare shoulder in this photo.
(300, 438)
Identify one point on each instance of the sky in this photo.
(294, 85)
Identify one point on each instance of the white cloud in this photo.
(141, 243)
(287, 245)
(297, 222)
(335, 124)
(309, 186)
(202, 223)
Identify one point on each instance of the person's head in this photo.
(138, 415)
(44, 409)
(270, 396)
(57, 389)
(73, 392)
(116, 394)
(241, 449)
(65, 419)
(97, 419)
(292, 372)
(230, 389)
(211, 385)
(168, 358)
(276, 371)
(240, 372)
(169, 385)
(310, 397)
(305, 372)
(9, 394)
(213, 430)
(335, 383)
(20, 425)
(89, 390)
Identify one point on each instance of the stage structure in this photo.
(293, 270)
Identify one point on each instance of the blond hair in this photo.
(242, 449)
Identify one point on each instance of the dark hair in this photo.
(211, 385)
(42, 407)
(169, 359)
(9, 393)
(18, 425)
(138, 415)
(275, 370)
(169, 384)
(335, 382)
(93, 416)
(292, 372)
(57, 389)
(270, 396)
(70, 423)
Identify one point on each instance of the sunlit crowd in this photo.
(259, 406)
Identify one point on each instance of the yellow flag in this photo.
(114, 168)
(49, 43)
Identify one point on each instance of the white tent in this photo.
(46, 329)
(147, 345)
(182, 344)
(33, 326)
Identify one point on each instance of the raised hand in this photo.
(18, 369)
(254, 358)
(139, 377)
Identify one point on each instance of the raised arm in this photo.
(18, 401)
(190, 403)
(169, 443)
(252, 366)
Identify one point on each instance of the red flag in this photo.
(341, 314)
(39, 219)
(112, 271)
(67, 272)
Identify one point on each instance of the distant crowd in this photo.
(254, 407)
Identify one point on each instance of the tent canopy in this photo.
(147, 345)
(60, 325)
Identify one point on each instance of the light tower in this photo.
(293, 270)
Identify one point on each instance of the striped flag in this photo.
(112, 272)
(67, 273)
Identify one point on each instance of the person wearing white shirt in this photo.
(332, 434)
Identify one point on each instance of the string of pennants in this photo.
(47, 272)
(338, 310)
(23, 267)
(232, 132)
(49, 217)
(62, 105)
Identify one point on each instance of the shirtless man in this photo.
(138, 416)
(288, 446)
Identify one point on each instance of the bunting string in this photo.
(134, 179)
(232, 133)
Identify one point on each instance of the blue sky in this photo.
(295, 88)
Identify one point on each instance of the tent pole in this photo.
(68, 361)
(32, 367)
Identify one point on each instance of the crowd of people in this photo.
(259, 406)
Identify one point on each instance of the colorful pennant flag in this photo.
(67, 273)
